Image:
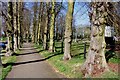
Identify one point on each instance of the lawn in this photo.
(3, 39)
(7, 68)
(71, 68)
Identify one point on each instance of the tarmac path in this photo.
(30, 64)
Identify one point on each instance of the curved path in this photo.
(31, 65)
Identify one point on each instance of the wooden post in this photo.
(85, 50)
(62, 45)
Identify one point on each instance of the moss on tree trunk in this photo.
(68, 30)
(15, 26)
(52, 24)
(96, 59)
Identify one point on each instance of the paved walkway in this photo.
(31, 65)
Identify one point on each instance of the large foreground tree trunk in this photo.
(68, 30)
(96, 58)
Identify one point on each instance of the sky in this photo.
(80, 12)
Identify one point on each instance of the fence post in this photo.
(62, 45)
(85, 50)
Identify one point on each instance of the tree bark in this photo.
(17, 33)
(68, 30)
(39, 22)
(20, 23)
(15, 26)
(46, 29)
(10, 46)
(34, 23)
(52, 24)
(96, 58)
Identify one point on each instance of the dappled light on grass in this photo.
(64, 32)
(70, 68)
(108, 75)
(7, 68)
(7, 62)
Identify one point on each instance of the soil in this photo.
(112, 66)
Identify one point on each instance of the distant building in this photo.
(109, 31)
(109, 37)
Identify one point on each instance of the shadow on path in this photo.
(39, 60)
(29, 53)
(19, 63)
(26, 48)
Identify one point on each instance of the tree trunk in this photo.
(68, 30)
(39, 22)
(12, 25)
(96, 58)
(17, 33)
(46, 29)
(10, 46)
(34, 23)
(52, 24)
(15, 27)
(45, 35)
(20, 23)
(39, 27)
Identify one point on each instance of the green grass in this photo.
(3, 38)
(7, 60)
(109, 74)
(10, 59)
(71, 68)
(115, 58)
(5, 71)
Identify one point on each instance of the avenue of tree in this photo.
(49, 24)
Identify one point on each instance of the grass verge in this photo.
(7, 60)
(71, 68)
